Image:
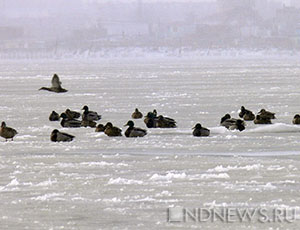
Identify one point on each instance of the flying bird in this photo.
(56, 85)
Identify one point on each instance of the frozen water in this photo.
(189, 91)
(97, 182)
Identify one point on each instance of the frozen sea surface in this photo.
(97, 182)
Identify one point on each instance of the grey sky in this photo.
(287, 2)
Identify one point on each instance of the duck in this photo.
(112, 131)
(249, 116)
(57, 136)
(87, 123)
(296, 120)
(87, 120)
(165, 122)
(246, 114)
(66, 123)
(232, 123)
(133, 131)
(150, 120)
(90, 115)
(7, 132)
(200, 131)
(223, 119)
(54, 116)
(260, 120)
(72, 114)
(136, 114)
(56, 85)
(152, 114)
(100, 128)
(266, 114)
(239, 125)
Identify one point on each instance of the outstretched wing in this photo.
(56, 82)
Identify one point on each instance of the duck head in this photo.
(150, 115)
(297, 116)
(85, 108)
(130, 124)
(108, 125)
(227, 116)
(197, 126)
(55, 131)
(100, 126)
(63, 116)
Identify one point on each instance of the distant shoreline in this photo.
(148, 53)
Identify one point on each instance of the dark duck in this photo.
(133, 131)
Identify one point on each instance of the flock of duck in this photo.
(70, 119)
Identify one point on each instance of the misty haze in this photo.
(56, 28)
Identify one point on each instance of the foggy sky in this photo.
(47, 23)
(283, 1)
